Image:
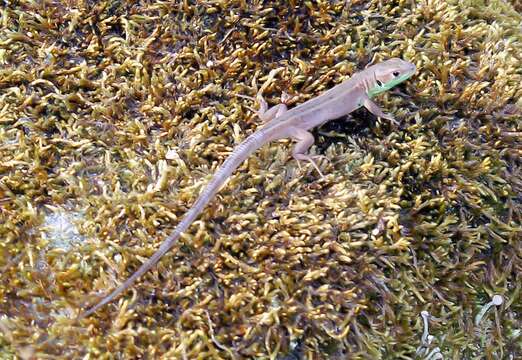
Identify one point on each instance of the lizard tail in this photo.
(240, 154)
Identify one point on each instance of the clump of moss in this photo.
(121, 112)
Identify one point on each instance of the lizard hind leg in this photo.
(266, 114)
(304, 141)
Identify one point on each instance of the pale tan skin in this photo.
(281, 123)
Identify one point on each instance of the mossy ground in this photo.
(114, 114)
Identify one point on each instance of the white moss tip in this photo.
(497, 300)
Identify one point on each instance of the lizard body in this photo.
(281, 123)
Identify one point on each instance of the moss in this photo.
(113, 115)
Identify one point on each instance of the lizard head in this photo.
(389, 73)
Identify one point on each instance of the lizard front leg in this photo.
(304, 140)
(376, 110)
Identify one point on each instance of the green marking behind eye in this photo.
(387, 86)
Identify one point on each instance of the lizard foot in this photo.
(311, 160)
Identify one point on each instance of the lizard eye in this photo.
(379, 82)
(396, 73)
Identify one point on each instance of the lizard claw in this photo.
(391, 119)
(310, 159)
(285, 98)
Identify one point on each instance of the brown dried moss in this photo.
(113, 116)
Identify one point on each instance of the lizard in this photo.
(279, 122)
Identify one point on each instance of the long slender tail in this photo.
(240, 154)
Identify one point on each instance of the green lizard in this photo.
(281, 123)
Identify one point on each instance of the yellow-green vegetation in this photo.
(114, 114)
